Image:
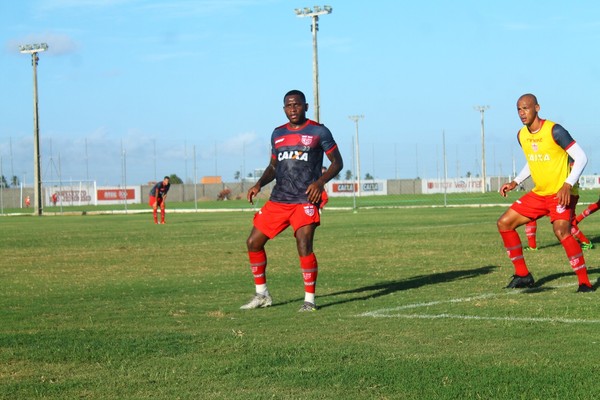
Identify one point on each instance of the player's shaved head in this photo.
(529, 97)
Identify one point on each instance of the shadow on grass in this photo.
(549, 278)
(385, 288)
(593, 239)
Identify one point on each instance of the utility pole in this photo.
(482, 109)
(34, 49)
(356, 118)
(308, 12)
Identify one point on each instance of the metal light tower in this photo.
(34, 49)
(482, 109)
(356, 118)
(307, 12)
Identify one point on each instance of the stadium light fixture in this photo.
(314, 14)
(482, 110)
(356, 118)
(34, 49)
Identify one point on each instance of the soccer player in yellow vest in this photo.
(547, 147)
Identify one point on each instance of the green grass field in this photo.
(412, 306)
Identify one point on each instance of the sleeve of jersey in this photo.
(579, 162)
(327, 141)
(562, 137)
(524, 174)
(273, 155)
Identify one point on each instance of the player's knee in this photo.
(502, 223)
(562, 234)
(254, 243)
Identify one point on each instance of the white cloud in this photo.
(239, 144)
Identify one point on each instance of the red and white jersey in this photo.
(299, 153)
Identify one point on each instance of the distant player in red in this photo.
(297, 150)
(547, 147)
(592, 208)
(531, 227)
(158, 195)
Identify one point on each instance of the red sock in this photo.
(592, 208)
(514, 248)
(310, 269)
(575, 231)
(530, 231)
(162, 215)
(154, 215)
(258, 264)
(575, 255)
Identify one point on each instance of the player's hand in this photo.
(253, 191)
(564, 195)
(313, 192)
(507, 187)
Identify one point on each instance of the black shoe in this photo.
(583, 288)
(519, 282)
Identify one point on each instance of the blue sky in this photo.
(161, 78)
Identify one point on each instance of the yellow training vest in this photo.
(548, 162)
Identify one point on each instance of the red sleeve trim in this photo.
(331, 149)
(570, 144)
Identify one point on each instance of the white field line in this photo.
(482, 318)
(394, 312)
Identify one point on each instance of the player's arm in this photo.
(266, 178)
(520, 178)
(579, 162)
(315, 189)
(154, 193)
(564, 139)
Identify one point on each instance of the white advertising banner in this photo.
(589, 182)
(71, 194)
(452, 185)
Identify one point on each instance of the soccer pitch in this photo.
(412, 306)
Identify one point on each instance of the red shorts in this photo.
(535, 206)
(274, 217)
(159, 201)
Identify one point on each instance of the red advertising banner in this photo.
(115, 194)
(344, 187)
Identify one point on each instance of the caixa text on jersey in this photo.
(293, 155)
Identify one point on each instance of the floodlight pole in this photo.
(482, 109)
(356, 118)
(34, 49)
(314, 14)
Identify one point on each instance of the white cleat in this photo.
(258, 301)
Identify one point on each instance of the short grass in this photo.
(412, 306)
